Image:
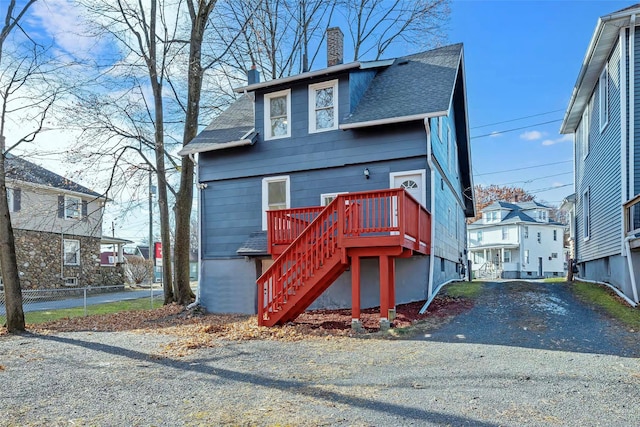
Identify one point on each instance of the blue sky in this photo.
(522, 58)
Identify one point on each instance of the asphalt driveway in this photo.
(526, 354)
(539, 315)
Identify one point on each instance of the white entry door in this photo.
(412, 181)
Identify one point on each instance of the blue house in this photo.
(343, 187)
(602, 116)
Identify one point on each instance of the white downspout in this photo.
(623, 131)
(632, 94)
(432, 208)
(634, 287)
(199, 189)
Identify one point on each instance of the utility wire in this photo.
(517, 119)
(514, 129)
(527, 181)
(527, 167)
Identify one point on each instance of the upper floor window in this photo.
(584, 132)
(505, 233)
(539, 237)
(277, 114)
(492, 216)
(542, 215)
(603, 92)
(323, 106)
(526, 231)
(72, 207)
(479, 237)
(14, 199)
(555, 235)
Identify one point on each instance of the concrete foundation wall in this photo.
(231, 285)
(613, 270)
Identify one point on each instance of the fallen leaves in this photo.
(194, 329)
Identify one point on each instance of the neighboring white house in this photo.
(516, 241)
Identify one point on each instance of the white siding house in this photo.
(515, 241)
(602, 116)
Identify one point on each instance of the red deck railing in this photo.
(318, 240)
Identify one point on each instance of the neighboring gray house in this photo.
(604, 117)
(516, 241)
(302, 148)
(57, 225)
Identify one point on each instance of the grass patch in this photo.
(464, 289)
(555, 280)
(107, 308)
(603, 297)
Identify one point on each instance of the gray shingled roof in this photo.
(20, 169)
(414, 85)
(514, 206)
(516, 215)
(236, 123)
(255, 245)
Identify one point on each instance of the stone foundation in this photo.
(41, 266)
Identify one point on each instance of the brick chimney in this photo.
(253, 75)
(334, 46)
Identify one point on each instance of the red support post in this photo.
(384, 287)
(355, 290)
(392, 288)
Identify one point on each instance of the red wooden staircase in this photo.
(314, 246)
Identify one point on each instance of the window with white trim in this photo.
(555, 235)
(603, 92)
(506, 255)
(10, 199)
(277, 114)
(586, 213)
(71, 281)
(584, 124)
(449, 148)
(275, 195)
(327, 198)
(71, 252)
(526, 231)
(72, 207)
(539, 237)
(323, 106)
(526, 256)
(505, 233)
(479, 236)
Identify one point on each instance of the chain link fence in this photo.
(38, 304)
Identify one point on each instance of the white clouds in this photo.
(61, 21)
(563, 138)
(532, 135)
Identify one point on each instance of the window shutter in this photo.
(17, 193)
(60, 206)
(84, 208)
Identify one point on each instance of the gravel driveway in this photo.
(507, 362)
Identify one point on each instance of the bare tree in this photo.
(279, 37)
(144, 34)
(8, 261)
(484, 196)
(375, 25)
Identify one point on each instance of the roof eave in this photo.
(391, 120)
(603, 39)
(187, 151)
(308, 75)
